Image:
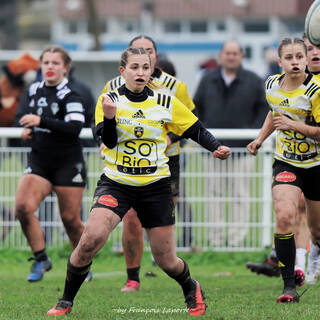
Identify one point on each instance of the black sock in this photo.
(40, 255)
(286, 253)
(184, 279)
(74, 280)
(133, 274)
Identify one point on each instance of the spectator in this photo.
(17, 74)
(271, 57)
(230, 97)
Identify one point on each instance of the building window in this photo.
(294, 25)
(172, 26)
(72, 27)
(258, 26)
(130, 26)
(247, 52)
(221, 26)
(198, 26)
(104, 27)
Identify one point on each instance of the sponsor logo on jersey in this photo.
(42, 102)
(108, 200)
(124, 121)
(285, 103)
(139, 114)
(285, 176)
(31, 104)
(39, 111)
(138, 132)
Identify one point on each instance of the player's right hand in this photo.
(109, 107)
(222, 153)
(26, 134)
(253, 147)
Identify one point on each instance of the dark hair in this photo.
(130, 51)
(167, 66)
(141, 36)
(64, 53)
(287, 41)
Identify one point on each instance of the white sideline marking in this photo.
(107, 274)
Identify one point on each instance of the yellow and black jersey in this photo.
(303, 105)
(164, 83)
(142, 125)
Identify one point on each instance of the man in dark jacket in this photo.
(230, 97)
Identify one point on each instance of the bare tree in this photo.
(94, 24)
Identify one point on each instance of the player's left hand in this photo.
(223, 152)
(30, 120)
(282, 122)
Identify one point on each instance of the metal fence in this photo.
(222, 206)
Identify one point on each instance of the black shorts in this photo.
(174, 166)
(153, 202)
(68, 173)
(308, 180)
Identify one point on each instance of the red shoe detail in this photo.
(131, 285)
(59, 312)
(299, 277)
(288, 295)
(200, 306)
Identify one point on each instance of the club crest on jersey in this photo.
(42, 102)
(138, 132)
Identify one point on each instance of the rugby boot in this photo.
(61, 308)
(131, 285)
(38, 268)
(288, 295)
(195, 301)
(268, 267)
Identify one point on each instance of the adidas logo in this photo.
(285, 103)
(139, 114)
(77, 178)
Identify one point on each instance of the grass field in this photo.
(232, 291)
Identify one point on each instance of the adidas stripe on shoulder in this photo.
(271, 80)
(313, 87)
(116, 83)
(164, 100)
(113, 96)
(34, 87)
(169, 81)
